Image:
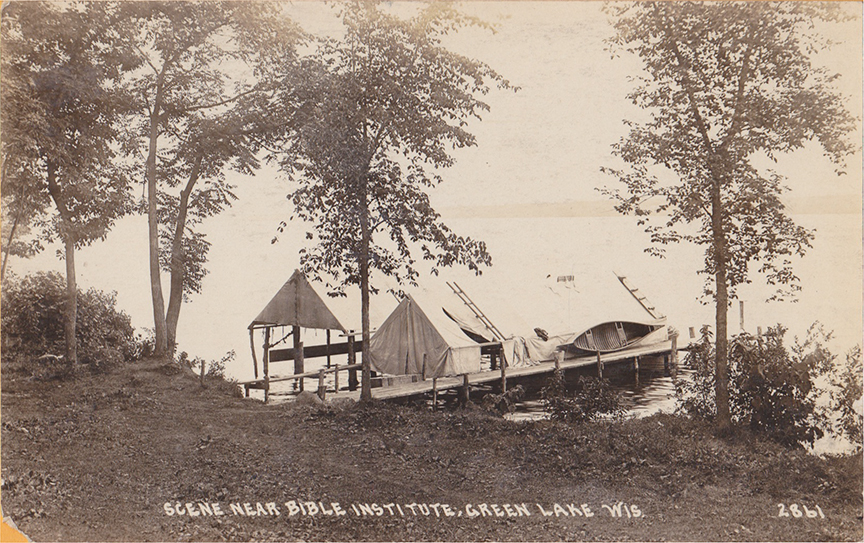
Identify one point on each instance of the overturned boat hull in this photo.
(609, 337)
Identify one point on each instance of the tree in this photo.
(205, 65)
(60, 72)
(726, 82)
(388, 102)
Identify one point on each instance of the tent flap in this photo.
(409, 336)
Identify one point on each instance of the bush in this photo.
(505, 402)
(770, 388)
(32, 324)
(593, 399)
(846, 398)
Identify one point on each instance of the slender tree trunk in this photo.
(69, 321)
(8, 245)
(159, 325)
(724, 420)
(14, 225)
(178, 259)
(366, 379)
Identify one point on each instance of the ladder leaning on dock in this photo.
(476, 310)
(643, 301)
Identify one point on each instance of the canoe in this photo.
(609, 337)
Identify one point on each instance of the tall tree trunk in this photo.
(14, 224)
(70, 322)
(71, 310)
(366, 379)
(159, 325)
(721, 391)
(178, 260)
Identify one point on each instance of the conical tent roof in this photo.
(297, 304)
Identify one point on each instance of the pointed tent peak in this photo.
(297, 304)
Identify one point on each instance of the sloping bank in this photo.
(119, 457)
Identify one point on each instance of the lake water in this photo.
(246, 270)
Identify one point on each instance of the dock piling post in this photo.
(322, 391)
(434, 394)
(636, 370)
(464, 391)
(673, 358)
(336, 380)
(503, 376)
(599, 366)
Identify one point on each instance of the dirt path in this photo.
(118, 456)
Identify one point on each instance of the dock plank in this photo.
(446, 383)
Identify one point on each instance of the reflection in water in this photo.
(654, 394)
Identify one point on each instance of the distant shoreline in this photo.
(846, 204)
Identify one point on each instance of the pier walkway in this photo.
(509, 376)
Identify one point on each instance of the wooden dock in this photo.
(507, 376)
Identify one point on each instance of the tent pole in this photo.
(298, 351)
(252, 345)
(352, 359)
(266, 364)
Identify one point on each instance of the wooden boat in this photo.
(609, 337)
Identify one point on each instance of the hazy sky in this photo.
(539, 154)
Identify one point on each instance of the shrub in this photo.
(592, 400)
(33, 316)
(504, 402)
(846, 398)
(770, 388)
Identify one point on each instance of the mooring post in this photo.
(352, 359)
(322, 391)
(265, 363)
(599, 366)
(503, 375)
(673, 357)
(636, 369)
(434, 393)
(464, 391)
(336, 380)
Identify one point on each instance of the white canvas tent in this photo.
(564, 306)
(400, 343)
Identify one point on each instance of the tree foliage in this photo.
(772, 388)
(60, 75)
(387, 105)
(204, 77)
(725, 82)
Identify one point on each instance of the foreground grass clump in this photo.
(97, 457)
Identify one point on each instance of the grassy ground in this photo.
(98, 457)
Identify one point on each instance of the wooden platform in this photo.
(513, 374)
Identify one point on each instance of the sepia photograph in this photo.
(431, 271)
